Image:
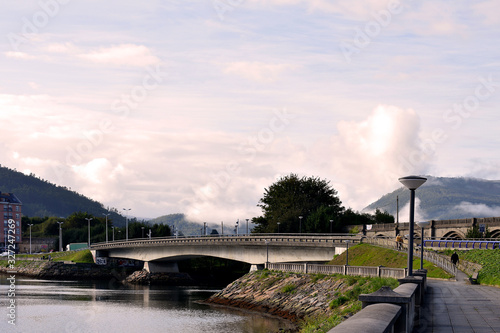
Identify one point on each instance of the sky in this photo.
(197, 106)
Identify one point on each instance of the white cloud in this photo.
(478, 210)
(257, 71)
(122, 55)
(19, 55)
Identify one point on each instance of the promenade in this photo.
(458, 307)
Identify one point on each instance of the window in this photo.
(17, 208)
(17, 223)
(17, 216)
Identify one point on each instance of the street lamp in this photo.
(142, 232)
(126, 223)
(106, 225)
(422, 225)
(30, 236)
(247, 227)
(411, 183)
(331, 226)
(237, 226)
(347, 252)
(88, 220)
(60, 237)
(300, 224)
(113, 228)
(278, 227)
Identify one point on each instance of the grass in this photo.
(369, 255)
(289, 289)
(83, 256)
(346, 303)
(489, 259)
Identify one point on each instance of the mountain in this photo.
(42, 198)
(443, 198)
(188, 228)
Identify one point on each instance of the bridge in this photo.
(439, 229)
(162, 254)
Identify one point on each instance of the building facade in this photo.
(12, 210)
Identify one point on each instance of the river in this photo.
(101, 306)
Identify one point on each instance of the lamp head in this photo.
(412, 182)
(423, 224)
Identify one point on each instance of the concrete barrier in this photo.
(387, 310)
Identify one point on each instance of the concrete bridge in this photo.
(443, 229)
(162, 254)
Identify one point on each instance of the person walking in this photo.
(454, 258)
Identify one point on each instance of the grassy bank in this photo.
(345, 302)
(83, 256)
(370, 255)
(489, 259)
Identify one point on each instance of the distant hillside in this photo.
(188, 228)
(442, 198)
(42, 198)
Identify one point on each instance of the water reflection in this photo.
(101, 306)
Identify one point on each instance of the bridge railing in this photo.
(463, 244)
(320, 239)
(397, 273)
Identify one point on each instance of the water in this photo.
(85, 306)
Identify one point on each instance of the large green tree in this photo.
(290, 197)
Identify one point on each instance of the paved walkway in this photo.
(458, 307)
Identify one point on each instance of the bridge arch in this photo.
(495, 233)
(453, 235)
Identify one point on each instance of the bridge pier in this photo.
(161, 266)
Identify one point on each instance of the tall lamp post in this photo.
(113, 228)
(88, 220)
(278, 227)
(60, 236)
(411, 183)
(267, 253)
(126, 223)
(331, 226)
(247, 227)
(30, 236)
(300, 224)
(106, 225)
(142, 232)
(422, 225)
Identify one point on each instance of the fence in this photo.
(437, 259)
(397, 273)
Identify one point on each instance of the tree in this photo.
(383, 217)
(473, 232)
(290, 197)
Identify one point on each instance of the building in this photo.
(11, 207)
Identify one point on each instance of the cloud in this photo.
(18, 55)
(366, 158)
(478, 210)
(257, 71)
(122, 55)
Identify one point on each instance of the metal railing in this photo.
(368, 271)
(298, 239)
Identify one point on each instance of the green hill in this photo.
(369, 255)
(444, 198)
(41, 198)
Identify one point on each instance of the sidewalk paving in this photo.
(458, 307)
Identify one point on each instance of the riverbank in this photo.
(56, 270)
(306, 300)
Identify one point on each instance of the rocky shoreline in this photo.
(291, 296)
(173, 279)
